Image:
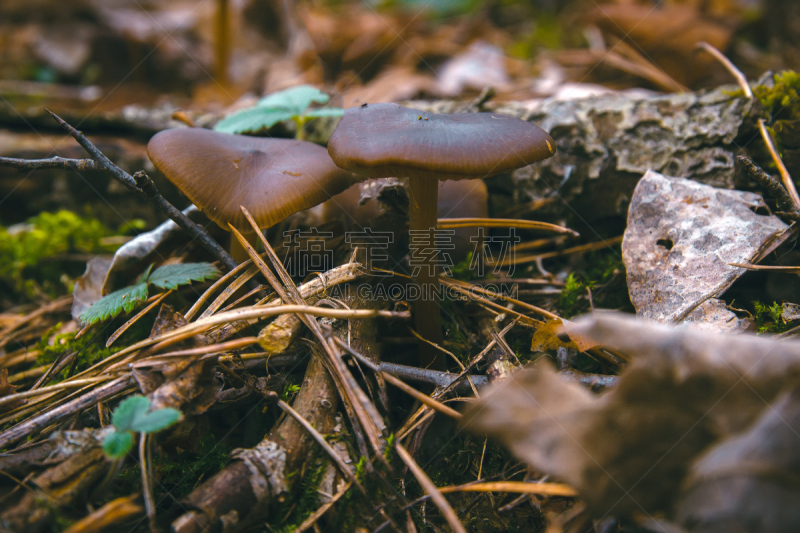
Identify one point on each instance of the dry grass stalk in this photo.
(427, 485)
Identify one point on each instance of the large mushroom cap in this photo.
(272, 178)
(388, 140)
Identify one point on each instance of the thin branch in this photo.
(289, 293)
(24, 165)
(140, 184)
(51, 416)
(316, 435)
(99, 157)
(423, 398)
(426, 483)
(347, 471)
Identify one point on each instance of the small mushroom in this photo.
(457, 199)
(272, 178)
(388, 140)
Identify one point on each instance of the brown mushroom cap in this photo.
(272, 178)
(388, 140)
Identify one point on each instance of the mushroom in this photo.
(388, 140)
(272, 178)
(457, 199)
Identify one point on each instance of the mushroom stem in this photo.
(223, 44)
(236, 249)
(422, 207)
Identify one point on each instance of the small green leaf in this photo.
(283, 105)
(128, 412)
(110, 306)
(252, 120)
(325, 112)
(170, 276)
(116, 445)
(294, 100)
(156, 420)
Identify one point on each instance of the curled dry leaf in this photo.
(749, 478)
(690, 406)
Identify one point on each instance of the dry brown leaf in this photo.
(747, 482)
(187, 384)
(667, 35)
(633, 448)
(7, 388)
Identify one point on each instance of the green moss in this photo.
(603, 268)
(289, 391)
(89, 348)
(782, 101)
(548, 32)
(177, 473)
(769, 319)
(462, 270)
(27, 252)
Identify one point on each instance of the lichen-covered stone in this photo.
(681, 239)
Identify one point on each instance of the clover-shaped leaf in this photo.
(133, 415)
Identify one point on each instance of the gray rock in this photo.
(680, 241)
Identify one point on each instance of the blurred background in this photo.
(119, 70)
(207, 54)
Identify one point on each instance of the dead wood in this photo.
(257, 479)
(60, 486)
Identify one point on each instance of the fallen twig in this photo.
(289, 294)
(346, 470)
(50, 416)
(424, 398)
(774, 188)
